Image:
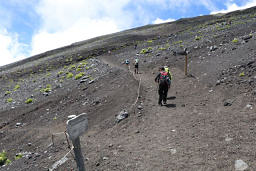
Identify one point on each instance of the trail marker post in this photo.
(76, 126)
(186, 64)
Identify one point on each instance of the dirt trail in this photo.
(186, 134)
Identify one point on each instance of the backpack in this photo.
(164, 79)
(136, 61)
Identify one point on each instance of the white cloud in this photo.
(65, 22)
(233, 7)
(159, 20)
(11, 49)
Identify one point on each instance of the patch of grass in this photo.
(60, 72)
(241, 74)
(48, 74)
(71, 67)
(78, 69)
(178, 42)
(16, 87)
(235, 40)
(87, 68)
(69, 75)
(18, 156)
(65, 67)
(9, 100)
(144, 51)
(47, 89)
(198, 37)
(78, 76)
(29, 100)
(150, 41)
(161, 48)
(3, 158)
(8, 92)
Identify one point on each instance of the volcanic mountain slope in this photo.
(208, 123)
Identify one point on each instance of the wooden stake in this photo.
(186, 65)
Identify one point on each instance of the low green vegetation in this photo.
(16, 87)
(18, 156)
(161, 48)
(198, 37)
(9, 100)
(147, 50)
(178, 42)
(69, 75)
(3, 158)
(235, 40)
(29, 100)
(47, 89)
(78, 76)
(60, 72)
(8, 92)
(150, 41)
(241, 74)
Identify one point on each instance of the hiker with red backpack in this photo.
(164, 83)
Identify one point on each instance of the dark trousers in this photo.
(162, 91)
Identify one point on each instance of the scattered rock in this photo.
(173, 150)
(92, 81)
(105, 158)
(136, 132)
(121, 116)
(18, 124)
(213, 48)
(183, 105)
(140, 107)
(247, 37)
(234, 48)
(240, 165)
(227, 139)
(249, 106)
(228, 102)
(29, 144)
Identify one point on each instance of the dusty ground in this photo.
(194, 131)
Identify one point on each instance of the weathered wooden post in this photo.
(186, 64)
(76, 126)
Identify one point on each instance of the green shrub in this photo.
(47, 89)
(235, 40)
(3, 158)
(78, 69)
(87, 68)
(18, 156)
(78, 76)
(60, 72)
(148, 50)
(71, 67)
(48, 74)
(9, 100)
(198, 37)
(29, 100)
(69, 75)
(161, 48)
(16, 87)
(150, 41)
(241, 74)
(178, 42)
(7, 92)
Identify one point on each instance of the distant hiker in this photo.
(135, 46)
(127, 62)
(163, 85)
(136, 66)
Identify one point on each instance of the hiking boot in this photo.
(164, 103)
(160, 104)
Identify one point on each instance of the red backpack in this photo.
(163, 79)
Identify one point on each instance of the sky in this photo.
(30, 27)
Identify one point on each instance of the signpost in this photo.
(76, 127)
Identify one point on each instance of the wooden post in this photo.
(78, 154)
(76, 126)
(186, 64)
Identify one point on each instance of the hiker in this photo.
(163, 85)
(127, 62)
(136, 66)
